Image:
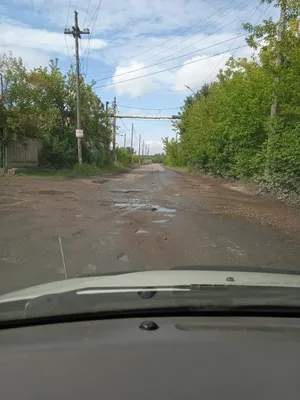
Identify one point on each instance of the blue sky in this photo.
(131, 35)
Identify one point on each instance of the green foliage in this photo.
(76, 171)
(226, 128)
(41, 104)
(124, 156)
(158, 158)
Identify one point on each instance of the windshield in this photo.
(133, 143)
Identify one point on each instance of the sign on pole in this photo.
(79, 133)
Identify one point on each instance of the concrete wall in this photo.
(20, 155)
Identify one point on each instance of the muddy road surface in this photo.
(149, 218)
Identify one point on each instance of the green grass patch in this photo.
(77, 171)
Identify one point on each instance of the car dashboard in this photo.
(161, 358)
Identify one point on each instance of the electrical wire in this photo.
(196, 33)
(66, 43)
(94, 18)
(166, 59)
(166, 69)
(230, 47)
(177, 35)
(87, 12)
(129, 130)
(171, 59)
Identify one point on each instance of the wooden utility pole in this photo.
(131, 143)
(140, 148)
(76, 32)
(114, 128)
(278, 62)
(3, 131)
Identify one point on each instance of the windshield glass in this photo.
(133, 143)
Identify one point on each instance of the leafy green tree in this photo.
(41, 104)
(226, 128)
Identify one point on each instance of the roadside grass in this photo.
(77, 171)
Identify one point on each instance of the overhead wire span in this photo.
(66, 43)
(196, 33)
(166, 69)
(230, 47)
(94, 18)
(172, 59)
(177, 35)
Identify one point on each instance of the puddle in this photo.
(163, 210)
(126, 190)
(160, 221)
(131, 207)
(141, 232)
(123, 257)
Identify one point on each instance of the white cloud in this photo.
(202, 69)
(37, 46)
(197, 74)
(155, 146)
(135, 88)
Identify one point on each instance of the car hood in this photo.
(154, 279)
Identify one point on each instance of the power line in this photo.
(124, 124)
(174, 37)
(67, 21)
(232, 44)
(66, 43)
(171, 59)
(150, 109)
(87, 12)
(241, 42)
(87, 50)
(196, 33)
(167, 69)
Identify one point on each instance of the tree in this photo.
(225, 127)
(41, 104)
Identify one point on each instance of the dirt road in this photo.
(150, 218)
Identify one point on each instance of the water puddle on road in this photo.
(126, 190)
(160, 221)
(164, 210)
(131, 207)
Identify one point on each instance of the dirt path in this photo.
(149, 218)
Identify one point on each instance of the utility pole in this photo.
(114, 127)
(139, 148)
(278, 62)
(76, 32)
(3, 131)
(125, 140)
(131, 143)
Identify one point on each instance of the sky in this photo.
(143, 52)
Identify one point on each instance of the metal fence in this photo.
(23, 154)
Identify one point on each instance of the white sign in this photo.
(79, 133)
